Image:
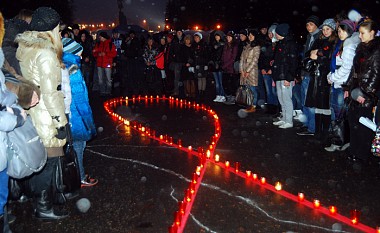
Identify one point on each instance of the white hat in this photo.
(198, 34)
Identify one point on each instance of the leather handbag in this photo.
(340, 127)
(244, 96)
(26, 153)
(66, 177)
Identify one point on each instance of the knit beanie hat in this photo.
(104, 35)
(231, 34)
(71, 46)
(198, 34)
(282, 29)
(244, 32)
(349, 25)
(44, 19)
(314, 19)
(330, 23)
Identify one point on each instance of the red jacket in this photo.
(109, 50)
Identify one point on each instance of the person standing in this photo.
(318, 93)
(312, 23)
(363, 88)
(11, 116)
(201, 58)
(230, 79)
(40, 57)
(82, 124)
(104, 53)
(249, 71)
(87, 64)
(340, 68)
(283, 72)
(215, 66)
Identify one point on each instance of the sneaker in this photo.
(332, 148)
(286, 126)
(88, 182)
(344, 147)
(217, 98)
(301, 117)
(305, 133)
(222, 99)
(278, 123)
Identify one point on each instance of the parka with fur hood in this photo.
(40, 64)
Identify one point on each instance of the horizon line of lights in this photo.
(185, 206)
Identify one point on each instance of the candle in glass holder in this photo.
(355, 216)
(254, 176)
(216, 158)
(332, 209)
(263, 180)
(248, 173)
(278, 186)
(316, 203)
(301, 196)
(237, 166)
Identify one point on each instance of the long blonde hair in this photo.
(57, 42)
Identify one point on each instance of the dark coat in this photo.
(266, 56)
(228, 57)
(285, 60)
(366, 71)
(318, 92)
(216, 51)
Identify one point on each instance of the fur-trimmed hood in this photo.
(35, 40)
(352, 40)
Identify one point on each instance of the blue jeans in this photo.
(79, 147)
(260, 87)
(309, 112)
(297, 102)
(254, 91)
(105, 80)
(270, 89)
(218, 76)
(336, 102)
(3, 190)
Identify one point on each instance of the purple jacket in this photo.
(228, 58)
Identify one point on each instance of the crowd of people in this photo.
(334, 76)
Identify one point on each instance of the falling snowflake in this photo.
(315, 8)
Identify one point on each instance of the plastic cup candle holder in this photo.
(301, 196)
(355, 216)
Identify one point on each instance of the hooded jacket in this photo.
(249, 63)
(39, 64)
(285, 60)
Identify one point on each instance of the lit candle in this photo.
(278, 186)
(263, 180)
(143, 129)
(248, 173)
(332, 209)
(189, 148)
(301, 196)
(177, 218)
(237, 166)
(182, 207)
(161, 137)
(216, 158)
(198, 171)
(377, 229)
(195, 178)
(355, 216)
(227, 164)
(317, 204)
(208, 154)
(254, 176)
(179, 143)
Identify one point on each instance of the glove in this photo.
(206, 68)
(61, 133)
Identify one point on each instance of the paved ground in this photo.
(140, 180)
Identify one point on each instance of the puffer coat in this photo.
(249, 63)
(39, 64)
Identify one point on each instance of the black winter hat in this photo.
(44, 19)
(282, 29)
(244, 32)
(314, 19)
(104, 35)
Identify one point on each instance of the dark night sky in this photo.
(102, 11)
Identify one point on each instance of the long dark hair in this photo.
(256, 41)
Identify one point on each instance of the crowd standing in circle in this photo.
(337, 74)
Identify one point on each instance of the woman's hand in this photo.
(360, 99)
(345, 94)
(286, 83)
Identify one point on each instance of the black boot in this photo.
(318, 127)
(4, 222)
(44, 208)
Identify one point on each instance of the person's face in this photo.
(251, 37)
(150, 42)
(102, 39)
(365, 35)
(197, 39)
(327, 31)
(242, 37)
(115, 35)
(270, 35)
(217, 37)
(229, 39)
(264, 31)
(342, 34)
(163, 41)
(179, 33)
(169, 40)
(311, 27)
(83, 37)
(76, 31)
(187, 41)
